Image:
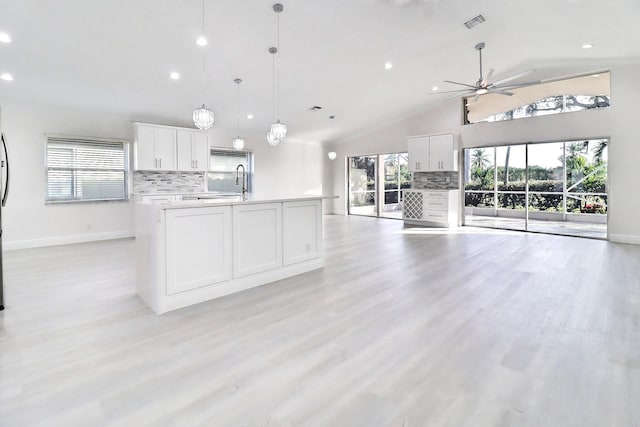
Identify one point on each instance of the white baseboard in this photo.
(624, 238)
(64, 240)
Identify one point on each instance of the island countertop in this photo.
(235, 200)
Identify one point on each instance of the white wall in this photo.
(289, 169)
(27, 220)
(616, 122)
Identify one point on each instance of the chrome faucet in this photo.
(244, 179)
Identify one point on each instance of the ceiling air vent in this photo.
(474, 21)
(315, 108)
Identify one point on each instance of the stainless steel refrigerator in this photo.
(4, 186)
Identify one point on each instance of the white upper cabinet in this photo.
(443, 155)
(418, 154)
(193, 150)
(432, 153)
(154, 148)
(168, 148)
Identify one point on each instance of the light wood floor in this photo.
(403, 327)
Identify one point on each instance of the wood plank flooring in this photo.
(403, 327)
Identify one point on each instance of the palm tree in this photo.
(479, 159)
(599, 150)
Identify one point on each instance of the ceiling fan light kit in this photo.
(484, 85)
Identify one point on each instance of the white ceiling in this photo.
(115, 56)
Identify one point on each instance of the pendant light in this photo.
(332, 154)
(238, 143)
(278, 131)
(202, 117)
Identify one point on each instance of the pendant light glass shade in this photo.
(203, 118)
(279, 130)
(272, 139)
(238, 144)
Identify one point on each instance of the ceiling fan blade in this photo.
(513, 77)
(461, 84)
(501, 92)
(452, 91)
(515, 85)
(487, 78)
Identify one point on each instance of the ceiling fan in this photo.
(484, 84)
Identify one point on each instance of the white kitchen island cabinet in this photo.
(194, 261)
(193, 251)
(257, 238)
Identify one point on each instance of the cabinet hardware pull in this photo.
(160, 162)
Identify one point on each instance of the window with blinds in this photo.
(222, 170)
(86, 170)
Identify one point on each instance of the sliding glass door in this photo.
(376, 183)
(363, 185)
(556, 187)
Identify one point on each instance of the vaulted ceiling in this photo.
(115, 56)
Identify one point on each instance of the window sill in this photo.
(67, 202)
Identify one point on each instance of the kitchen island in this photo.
(192, 251)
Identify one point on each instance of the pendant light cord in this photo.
(273, 72)
(238, 110)
(278, 59)
(203, 50)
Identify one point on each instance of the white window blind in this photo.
(86, 170)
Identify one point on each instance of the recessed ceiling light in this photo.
(587, 46)
(174, 75)
(388, 65)
(6, 76)
(595, 75)
(435, 88)
(249, 116)
(202, 41)
(5, 38)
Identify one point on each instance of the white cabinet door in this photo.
(257, 238)
(193, 151)
(155, 148)
(200, 151)
(198, 245)
(418, 154)
(165, 148)
(145, 156)
(302, 231)
(442, 153)
(185, 161)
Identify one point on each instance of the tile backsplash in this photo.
(436, 180)
(147, 182)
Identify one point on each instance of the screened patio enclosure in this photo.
(552, 187)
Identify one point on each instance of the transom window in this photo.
(82, 169)
(553, 97)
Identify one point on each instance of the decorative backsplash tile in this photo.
(146, 182)
(436, 180)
